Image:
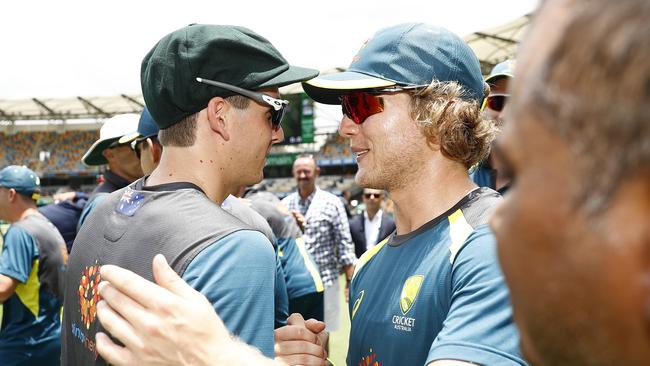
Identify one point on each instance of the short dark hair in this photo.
(183, 133)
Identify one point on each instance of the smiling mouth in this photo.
(361, 153)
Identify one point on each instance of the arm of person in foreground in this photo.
(165, 324)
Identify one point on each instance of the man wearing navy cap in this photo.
(32, 263)
(213, 93)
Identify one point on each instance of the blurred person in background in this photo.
(123, 167)
(491, 172)
(373, 225)
(326, 233)
(32, 264)
(65, 212)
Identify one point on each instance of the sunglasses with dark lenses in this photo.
(278, 106)
(137, 143)
(358, 106)
(497, 102)
(371, 195)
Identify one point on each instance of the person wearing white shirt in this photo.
(373, 226)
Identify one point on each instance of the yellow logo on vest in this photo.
(357, 302)
(410, 292)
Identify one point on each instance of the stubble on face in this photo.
(397, 147)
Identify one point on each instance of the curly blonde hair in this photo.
(453, 123)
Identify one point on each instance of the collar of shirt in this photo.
(303, 204)
(371, 228)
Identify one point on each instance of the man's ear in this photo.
(12, 195)
(217, 108)
(156, 150)
(108, 154)
(317, 171)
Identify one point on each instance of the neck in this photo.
(186, 164)
(116, 169)
(305, 192)
(371, 212)
(22, 212)
(431, 193)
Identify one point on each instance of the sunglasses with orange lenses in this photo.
(497, 102)
(358, 106)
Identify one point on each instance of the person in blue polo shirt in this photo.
(492, 172)
(32, 264)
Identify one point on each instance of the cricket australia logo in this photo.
(407, 299)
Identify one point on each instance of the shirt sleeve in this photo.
(478, 327)
(342, 233)
(18, 254)
(237, 275)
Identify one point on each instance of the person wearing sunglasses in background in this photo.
(492, 172)
(219, 112)
(373, 225)
(123, 166)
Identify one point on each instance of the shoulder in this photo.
(480, 205)
(17, 234)
(245, 243)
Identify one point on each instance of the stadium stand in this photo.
(48, 152)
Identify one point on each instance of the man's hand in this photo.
(301, 342)
(300, 219)
(170, 324)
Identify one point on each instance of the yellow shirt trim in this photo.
(310, 266)
(28, 292)
(459, 230)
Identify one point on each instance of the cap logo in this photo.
(357, 57)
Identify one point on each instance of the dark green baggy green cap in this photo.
(229, 54)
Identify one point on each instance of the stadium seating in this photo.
(65, 150)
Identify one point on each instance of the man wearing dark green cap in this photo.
(32, 263)
(213, 92)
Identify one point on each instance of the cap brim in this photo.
(294, 74)
(94, 155)
(128, 138)
(495, 77)
(327, 89)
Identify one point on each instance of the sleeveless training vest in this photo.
(127, 229)
(52, 253)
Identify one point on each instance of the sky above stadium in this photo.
(91, 48)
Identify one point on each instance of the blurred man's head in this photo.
(108, 150)
(573, 233)
(373, 199)
(20, 188)
(305, 171)
(498, 81)
(411, 100)
(145, 143)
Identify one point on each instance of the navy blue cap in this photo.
(147, 127)
(22, 179)
(411, 54)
